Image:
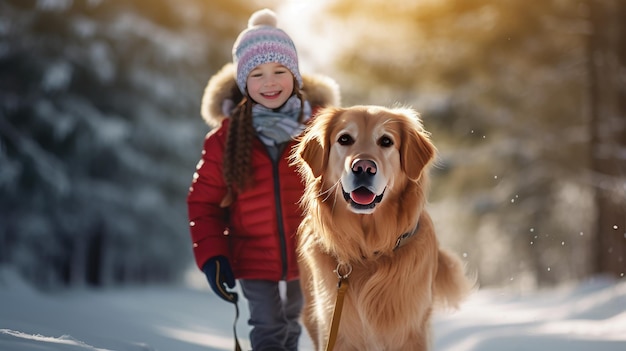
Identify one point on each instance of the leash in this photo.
(237, 346)
(233, 298)
(342, 286)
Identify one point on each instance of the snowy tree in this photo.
(100, 132)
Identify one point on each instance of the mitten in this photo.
(220, 275)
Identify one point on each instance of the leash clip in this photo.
(346, 267)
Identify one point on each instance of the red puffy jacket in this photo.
(257, 232)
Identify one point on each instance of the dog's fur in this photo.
(366, 175)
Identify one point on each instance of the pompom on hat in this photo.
(262, 42)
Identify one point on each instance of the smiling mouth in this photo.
(362, 198)
(271, 95)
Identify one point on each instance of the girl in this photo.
(243, 201)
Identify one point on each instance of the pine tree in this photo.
(100, 132)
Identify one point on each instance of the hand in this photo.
(220, 275)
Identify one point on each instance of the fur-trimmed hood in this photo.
(318, 90)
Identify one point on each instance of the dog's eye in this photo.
(385, 141)
(345, 139)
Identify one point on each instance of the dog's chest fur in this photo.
(380, 296)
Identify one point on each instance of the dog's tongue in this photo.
(362, 196)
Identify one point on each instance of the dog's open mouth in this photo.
(362, 198)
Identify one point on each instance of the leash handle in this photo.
(342, 286)
(237, 346)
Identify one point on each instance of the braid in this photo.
(245, 136)
(238, 151)
(300, 96)
(229, 151)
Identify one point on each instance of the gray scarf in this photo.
(275, 127)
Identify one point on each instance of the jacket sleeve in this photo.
(207, 220)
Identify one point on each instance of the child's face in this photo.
(270, 84)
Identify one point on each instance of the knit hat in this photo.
(262, 42)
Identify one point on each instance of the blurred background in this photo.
(100, 129)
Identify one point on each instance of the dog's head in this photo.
(363, 154)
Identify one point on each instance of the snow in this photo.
(587, 316)
(590, 315)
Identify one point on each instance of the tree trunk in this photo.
(607, 69)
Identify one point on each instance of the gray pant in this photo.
(274, 317)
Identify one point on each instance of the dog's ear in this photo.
(311, 152)
(416, 151)
(312, 148)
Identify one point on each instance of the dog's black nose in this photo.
(363, 167)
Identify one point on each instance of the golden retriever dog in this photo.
(366, 175)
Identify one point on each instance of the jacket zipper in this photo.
(279, 211)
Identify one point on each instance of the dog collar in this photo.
(404, 237)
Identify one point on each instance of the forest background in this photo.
(526, 101)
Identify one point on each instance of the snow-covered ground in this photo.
(587, 316)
